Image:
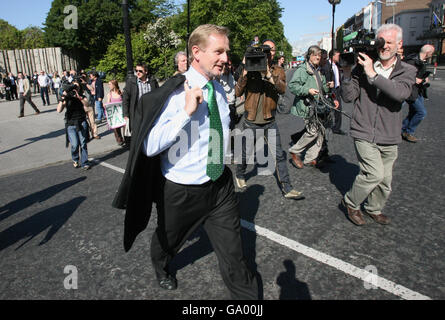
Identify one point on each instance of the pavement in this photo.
(61, 239)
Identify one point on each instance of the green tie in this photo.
(215, 166)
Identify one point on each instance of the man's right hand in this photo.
(313, 92)
(193, 97)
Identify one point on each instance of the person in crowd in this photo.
(333, 77)
(135, 87)
(416, 101)
(24, 88)
(44, 83)
(98, 96)
(281, 62)
(35, 81)
(228, 83)
(76, 125)
(308, 85)
(193, 189)
(378, 89)
(262, 90)
(180, 62)
(115, 95)
(56, 84)
(13, 86)
(86, 88)
(7, 84)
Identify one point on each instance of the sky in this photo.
(304, 21)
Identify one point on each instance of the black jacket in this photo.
(418, 89)
(130, 97)
(99, 87)
(140, 185)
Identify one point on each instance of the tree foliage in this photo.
(33, 37)
(10, 36)
(245, 19)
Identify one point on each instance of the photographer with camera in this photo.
(417, 111)
(308, 84)
(75, 123)
(378, 90)
(262, 82)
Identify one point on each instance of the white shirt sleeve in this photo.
(167, 127)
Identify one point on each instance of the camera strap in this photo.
(318, 78)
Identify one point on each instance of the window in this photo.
(426, 22)
(413, 22)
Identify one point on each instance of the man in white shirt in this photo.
(191, 136)
(44, 83)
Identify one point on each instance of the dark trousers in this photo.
(280, 157)
(26, 98)
(14, 94)
(43, 94)
(337, 115)
(36, 87)
(214, 205)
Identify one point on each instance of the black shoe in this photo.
(168, 283)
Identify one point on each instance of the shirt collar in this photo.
(378, 64)
(195, 79)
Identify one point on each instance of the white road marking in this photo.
(338, 264)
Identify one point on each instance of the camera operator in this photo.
(308, 84)
(378, 90)
(75, 123)
(417, 111)
(262, 90)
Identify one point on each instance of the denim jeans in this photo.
(274, 147)
(79, 139)
(100, 111)
(416, 114)
(44, 94)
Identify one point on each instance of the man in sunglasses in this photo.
(133, 91)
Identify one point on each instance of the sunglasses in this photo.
(139, 71)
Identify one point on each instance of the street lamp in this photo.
(127, 35)
(333, 3)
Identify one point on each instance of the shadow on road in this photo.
(341, 173)
(53, 218)
(40, 196)
(50, 135)
(291, 288)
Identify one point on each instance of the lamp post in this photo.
(333, 3)
(127, 39)
(188, 32)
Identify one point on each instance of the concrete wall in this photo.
(30, 60)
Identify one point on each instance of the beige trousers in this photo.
(91, 122)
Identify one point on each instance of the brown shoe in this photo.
(313, 163)
(296, 161)
(97, 137)
(37, 112)
(379, 218)
(356, 216)
(409, 137)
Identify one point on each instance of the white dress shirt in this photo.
(43, 80)
(182, 141)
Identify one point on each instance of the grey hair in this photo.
(427, 48)
(312, 50)
(180, 53)
(390, 27)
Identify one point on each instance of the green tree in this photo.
(10, 36)
(143, 12)
(98, 22)
(33, 37)
(245, 19)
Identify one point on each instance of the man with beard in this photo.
(378, 90)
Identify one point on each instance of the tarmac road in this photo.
(54, 218)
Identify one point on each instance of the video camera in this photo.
(360, 41)
(256, 58)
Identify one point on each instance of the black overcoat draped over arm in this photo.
(139, 187)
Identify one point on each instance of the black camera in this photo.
(257, 58)
(360, 41)
(70, 90)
